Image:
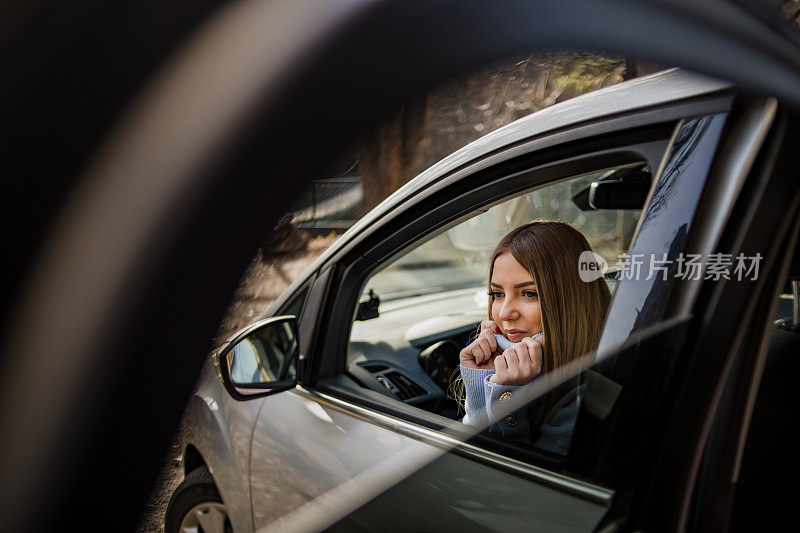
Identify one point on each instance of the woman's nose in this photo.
(509, 310)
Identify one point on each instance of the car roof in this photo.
(662, 87)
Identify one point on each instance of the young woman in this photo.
(538, 302)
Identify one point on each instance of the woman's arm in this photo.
(475, 403)
(484, 399)
(487, 389)
(514, 425)
(477, 364)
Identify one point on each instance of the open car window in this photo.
(418, 310)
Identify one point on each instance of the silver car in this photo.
(332, 409)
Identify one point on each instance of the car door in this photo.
(710, 434)
(347, 434)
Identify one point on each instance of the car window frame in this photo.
(349, 260)
(359, 253)
(362, 253)
(509, 181)
(547, 175)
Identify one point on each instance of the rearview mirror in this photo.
(262, 358)
(369, 309)
(624, 189)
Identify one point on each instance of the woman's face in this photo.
(515, 302)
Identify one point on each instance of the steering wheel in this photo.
(439, 360)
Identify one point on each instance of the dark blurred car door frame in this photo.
(136, 240)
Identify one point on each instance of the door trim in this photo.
(582, 489)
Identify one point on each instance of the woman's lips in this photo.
(515, 335)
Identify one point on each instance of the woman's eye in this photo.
(530, 294)
(496, 295)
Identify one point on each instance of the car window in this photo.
(416, 290)
(656, 261)
(295, 305)
(421, 308)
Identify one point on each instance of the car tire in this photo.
(197, 506)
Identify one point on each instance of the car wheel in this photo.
(196, 506)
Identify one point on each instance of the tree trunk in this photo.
(387, 158)
(635, 68)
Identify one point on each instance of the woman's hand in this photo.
(482, 351)
(519, 364)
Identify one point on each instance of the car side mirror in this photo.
(261, 359)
